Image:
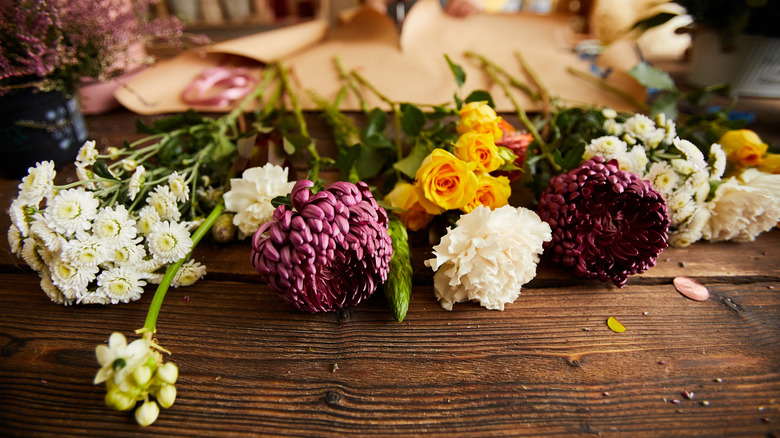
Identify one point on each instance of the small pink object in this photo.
(219, 86)
(691, 288)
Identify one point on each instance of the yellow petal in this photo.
(615, 325)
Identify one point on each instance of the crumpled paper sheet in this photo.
(406, 68)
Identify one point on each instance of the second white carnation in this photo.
(488, 257)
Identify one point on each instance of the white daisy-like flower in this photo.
(668, 125)
(136, 182)
(93, 298)
(85, 174)
(87, 154)
(684, 237)
(71, 210)
(41, 230)
(613, 127)
(717, 161)
(169, 242)
(51, 290)
(179, 186)
(164, 202)
(147, 218)
(609, 113)
(130, 255)
(120, 284)
(15, 240)
(250, 196)
(72, 280)
(629, 138)
(681, 206)
(643, 129)
(607, 146)
(700, 182)
(188, 274)
(638, 155)
(38, 184)
(87, 252)
(488, 257)
(19, 216)
(118, 360)
(691, 152)
(699, 220)
(663, 177)
(114, 226)
(31, 256)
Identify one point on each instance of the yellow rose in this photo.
(492, 192)
(445, 182)
(743, 146)
(480, 149)
(479, 117)
(405, 201)
(770, 164)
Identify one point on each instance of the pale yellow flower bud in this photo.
(118, 400)
(141, 375)
(147, 413)
(166, 395)
(168, 373)
(113, 152)
(129, 164)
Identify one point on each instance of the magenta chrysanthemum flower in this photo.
(330, 250)
(606, 223)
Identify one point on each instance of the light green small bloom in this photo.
(142, 375)
(147, 413)
(168, 373)
(118, 400)
(166, 395)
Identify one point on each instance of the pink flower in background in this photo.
(331, 249)
(606, 223)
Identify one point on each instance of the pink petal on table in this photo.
(691, 289)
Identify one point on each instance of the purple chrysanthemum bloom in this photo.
(606, 223)
(329, 250)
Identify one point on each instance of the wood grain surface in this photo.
(548, 365)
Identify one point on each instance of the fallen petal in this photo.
(691, 289)
(615, 325)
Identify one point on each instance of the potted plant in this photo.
(734, 41)
(47, 47)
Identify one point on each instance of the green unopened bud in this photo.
(147, 413)
(166, 395)
(141, 375)
(223, 229)
(116, 399)
(168, 373)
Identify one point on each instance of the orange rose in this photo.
(479, 117)
(492, 192)
(479, 148)
(445, 182)
(405, 202)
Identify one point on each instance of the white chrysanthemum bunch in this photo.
(89, 249)
(675, 167)
(488, 256)
(250, 196)
(135, 373)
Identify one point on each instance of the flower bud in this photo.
(118, 400)
(141, 375)
(147, 413)
(168, 373)
(166, 395)
(129, 164)
(113, 152)
(223, 229)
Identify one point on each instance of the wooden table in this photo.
(547, 365)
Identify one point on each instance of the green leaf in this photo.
(369, 163)
(170, 123)
(409, 164)
(377, 120)
(481, 96)
(573, 157)
(412, 119)
(652, 77)
(398, 289)
(457, 71)
(377, 141)
(100, 168)
(667, 104)
(281, 200)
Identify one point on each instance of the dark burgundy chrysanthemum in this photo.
(606, 223)
(329, 250)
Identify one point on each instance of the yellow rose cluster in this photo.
(457, 180)
(745, 148)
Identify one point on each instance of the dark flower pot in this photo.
(38, 126)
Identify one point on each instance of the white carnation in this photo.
(250, 196)
(744, 207)
(488, 257)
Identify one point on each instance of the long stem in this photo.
(543, 91)
(486, 63)
(314, 172)
(150, 325)
(604, 86)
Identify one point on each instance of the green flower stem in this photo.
(543, 91)
(350, 81)
(486, 63)
(150, 326)
(316, 160)
(641, 106)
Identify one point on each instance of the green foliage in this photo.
(481, 96)
(457, 72)
(398, 289)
